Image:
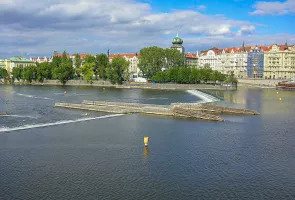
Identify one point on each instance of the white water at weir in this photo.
(206, 98)
(6, 129)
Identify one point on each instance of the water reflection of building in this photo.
(235, 97)
(255, 64)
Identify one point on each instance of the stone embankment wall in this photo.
(258, 82)
(137, 85)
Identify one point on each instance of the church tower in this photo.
(177, 44)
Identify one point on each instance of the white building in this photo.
(227, 61)
(41, 60)
(133, 58)
(210, 58)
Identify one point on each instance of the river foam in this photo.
(30, 126)
(206, 98)
(20, 116)
(32, 96)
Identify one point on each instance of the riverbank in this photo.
(262, 83)
(134, 85)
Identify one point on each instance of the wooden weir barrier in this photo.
(183, 110)
(196, 114)
(213, 109)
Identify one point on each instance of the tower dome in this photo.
(177, 40)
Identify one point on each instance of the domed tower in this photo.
(177, 44)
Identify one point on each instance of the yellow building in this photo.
(279, 62)
(16, 61)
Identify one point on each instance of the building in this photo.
(227, 61)
(191, 59)
(255, 63)
(55, 53)
(234, 61)
(2, 64)
(41, 60)
(177, 44)
(279, 62)
(16, 62)
(82, 57)
(133, 59)
(209, 58)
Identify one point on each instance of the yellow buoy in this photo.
(146, 141)
(277, 92)
(65, 92)
(280, 99)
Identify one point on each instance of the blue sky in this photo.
(234, 9)
(37, 28)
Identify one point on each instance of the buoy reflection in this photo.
(145, 151)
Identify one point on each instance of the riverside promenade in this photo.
(158, 86)
(271, 83)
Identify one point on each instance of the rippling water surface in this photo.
(93, 157)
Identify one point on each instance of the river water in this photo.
(54, 153)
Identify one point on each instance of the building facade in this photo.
(41, 59)
(133, 59)
(177, 44)
(255, 63)
(227, 61)
(16, 62)
(191, 60)
(209, 58)
(279, 62)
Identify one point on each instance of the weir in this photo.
(183, 110)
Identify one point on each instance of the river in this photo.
(54, 153)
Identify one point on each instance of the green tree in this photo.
(187, 75)
(64, 72)
(77, 61)
(4, 74)
(64, 57)
(205, 74)
(173, 58)
(44, 71)
(29, 73)
(117, 71)
(89, 59)
(231, 79)
(102, 64)
(17, 72)
(56, 62)
(195, 76)
(161, 77)
(151, 61)
(87, 71)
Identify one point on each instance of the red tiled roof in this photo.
(82, 56)
(130, 55)
(191, 55)
(60, 55)
(264, 48)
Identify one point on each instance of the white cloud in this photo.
(90, 26)
(274, 8)
(201, 7)
(246, 30)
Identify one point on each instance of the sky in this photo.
(33, 28)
